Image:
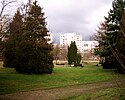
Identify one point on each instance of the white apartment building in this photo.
(67, 38)
(79, 42)
(84, 47)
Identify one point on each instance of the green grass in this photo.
(11, 81)
(107, 94)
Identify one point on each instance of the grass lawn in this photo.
(11, 81)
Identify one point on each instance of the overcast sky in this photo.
(79, 16)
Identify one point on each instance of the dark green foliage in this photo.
(109, 63)
(34, 58)
(109, 36)
(8, 55)
(79, 58)
(69, 56)
(73, 56)
(28, 50)
(14, 33)
(72, 53)
(121, 42)
(121, 38)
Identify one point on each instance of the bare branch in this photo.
(4, 5)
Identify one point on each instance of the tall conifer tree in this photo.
(35, 49)
(32, 52)
(13, 35)
(109, 40)
(72, 53)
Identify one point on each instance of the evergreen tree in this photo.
(13, 36)
(35, 50)
(121, 37)
(69, 56)
(79, 57)
(72, 53)
(32, 52)
(120, 50)
(110, 34)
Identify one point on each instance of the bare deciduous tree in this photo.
(5, 6)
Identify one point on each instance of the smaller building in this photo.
(88, 49)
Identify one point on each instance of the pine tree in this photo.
(120, 50)
(13, 36)
(27, 49)
(35, 51)
(113, 31)
(109, 39)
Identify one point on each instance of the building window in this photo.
(85, 50)
(85, 45)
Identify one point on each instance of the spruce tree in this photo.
(120, 45)
(35, 51)
(13, 36)
(110, 35)
(27, 49)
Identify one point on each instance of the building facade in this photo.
(86, 48)
(67, 38)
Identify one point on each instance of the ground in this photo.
(63, 92)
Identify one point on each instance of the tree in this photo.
(32, 50)
(4, 21)
(103, 49)
(110, 35)
(79, 57)
(4, 15)
(55, 52)
(14, 35)
(119, 51)
(63, 53)
(121, 38)
(72, 53)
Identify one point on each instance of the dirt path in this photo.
(58, 93)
